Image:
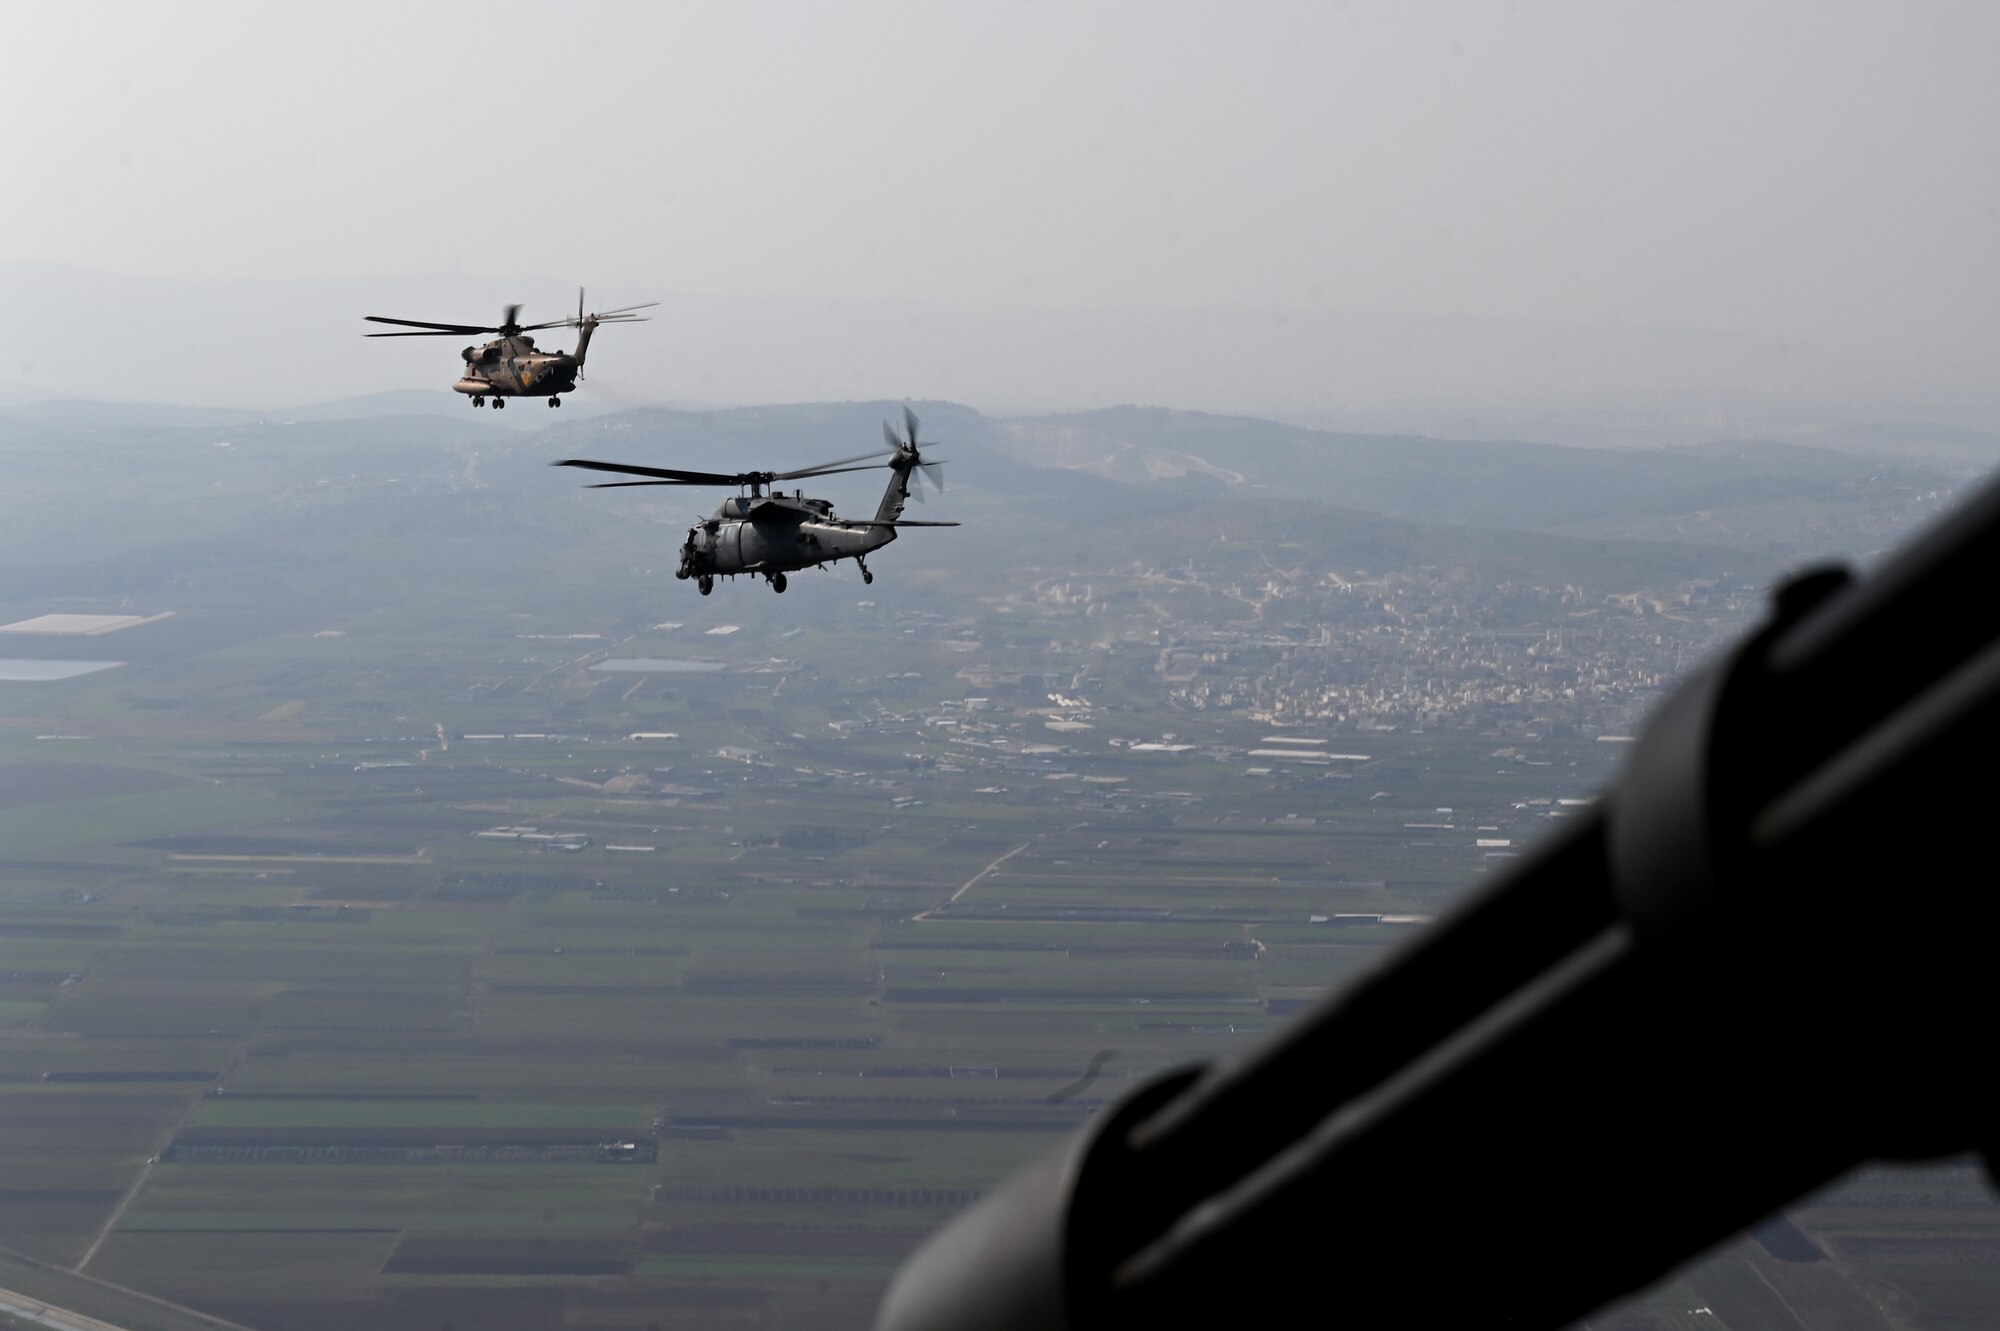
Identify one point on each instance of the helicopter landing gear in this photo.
(778, 582)
(478, 401)
(555, 402)
(707, 584)
(499, 402)
(866, 576)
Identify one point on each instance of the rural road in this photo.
(146, 1170)
(976, 877)
(33, 1310)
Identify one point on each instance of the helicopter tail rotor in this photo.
(932, 472)
(622, 314)
(586, 324)
(909, 458)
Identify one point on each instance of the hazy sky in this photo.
(1819, 174)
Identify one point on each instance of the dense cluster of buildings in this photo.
(1406, 650)
(1424, 648)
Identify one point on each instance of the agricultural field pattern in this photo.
(419, 910)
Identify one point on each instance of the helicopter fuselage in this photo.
(515, 367)
(776, 534)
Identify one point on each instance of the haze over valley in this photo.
(413, 886)
(420, 910)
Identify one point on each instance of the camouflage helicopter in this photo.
(771, 535)
(512, 365)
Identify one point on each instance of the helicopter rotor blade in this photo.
(621, 315)
(512, 324)
(677, 476)
(889, 433)
(605, 319)
(839, 463)
(435, 332)
(817, 471)
(665, 475)
(424, 323)
(910, 419)
(934, 473)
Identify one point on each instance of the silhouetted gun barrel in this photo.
(1766, 956)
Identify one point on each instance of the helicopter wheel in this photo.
(479, 402)
(707, 584)
(777, 582)
(499, 402)
(555, 402)
(866, 576)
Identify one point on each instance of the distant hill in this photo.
(77, 414)
(276, 343)
(114, 497)
(1490, 483)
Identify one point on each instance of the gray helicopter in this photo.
(512, 365)
(774, 534)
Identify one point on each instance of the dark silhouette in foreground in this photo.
(1764, 958)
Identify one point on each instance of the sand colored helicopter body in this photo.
(511, 365)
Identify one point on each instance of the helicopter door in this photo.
(754, 545)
